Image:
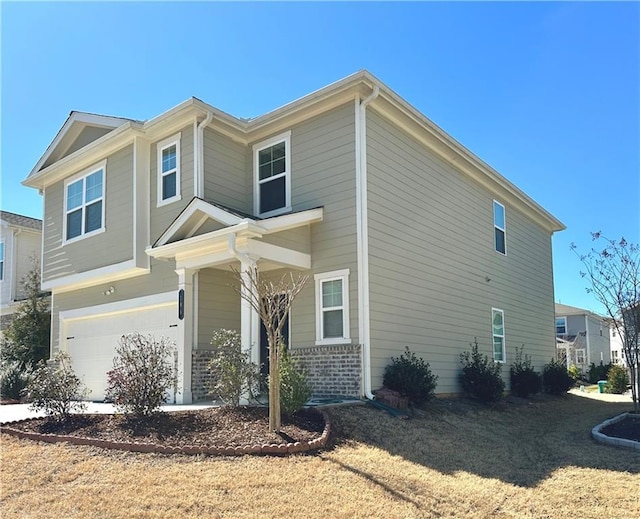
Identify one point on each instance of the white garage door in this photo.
(91, 341)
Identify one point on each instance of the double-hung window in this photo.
(169, 170)
(84, 204)
(500, 227)
(332, 307)
(497, 329)
(561, 326)
(1, 260)
(272, 173)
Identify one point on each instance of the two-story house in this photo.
(583, 337)
(409, 239)
(20, 243)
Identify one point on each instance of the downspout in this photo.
(364, 330)
(199, 182)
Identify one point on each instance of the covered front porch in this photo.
(210, 245)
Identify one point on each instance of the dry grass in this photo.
(451, 461)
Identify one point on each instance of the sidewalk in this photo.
(606, 397)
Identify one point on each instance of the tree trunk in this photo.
(274, 386)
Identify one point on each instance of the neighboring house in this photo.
(20, 241)
(617, 350)
(582, 337)
(409, 239)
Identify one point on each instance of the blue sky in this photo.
(547, 93)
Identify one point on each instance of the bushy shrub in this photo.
(13, 380)
(411, 376)
(525, 381)
(480, 376)
(294, 389)
(555, 378)
(143, 374)
(233, 373)
(55, 389)
(617, 380)
(575, 373)
(599, 372)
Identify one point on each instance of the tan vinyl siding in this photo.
(323, 174)
(434, 272)
(218, 305)
(161, 279)
(28, 246)
(294, 239)
(163, 216)
(226, 163)
(114, 245)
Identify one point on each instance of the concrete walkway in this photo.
(605, 397)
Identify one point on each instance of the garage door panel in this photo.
(91, 342)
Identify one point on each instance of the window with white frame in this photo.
(497, 329)
(581, 358)
(1, 261)
(84, 204)
(615, 357)
(169, 170)
(561, 326)
(332, 307)
(272, 175)
(500, 227)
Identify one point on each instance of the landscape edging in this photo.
(612, 440)
(273, 449)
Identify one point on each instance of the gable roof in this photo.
(562, 310)
(361, 84)
(19, 220)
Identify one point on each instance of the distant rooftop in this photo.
(20, 220)
(573, 310)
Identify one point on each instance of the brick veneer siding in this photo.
(332, 370)
(201, 378)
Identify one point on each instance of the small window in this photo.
(272, 171)
(615, 358)
(332, 307)
(84, 204)
(561, 326)
(169, 170)
(497, 326)
(500, 229)
(1, 261)
(580, 357)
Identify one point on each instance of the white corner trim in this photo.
(116, 307)
(117, 271)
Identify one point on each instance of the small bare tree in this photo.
(614, 275)
(272, 300)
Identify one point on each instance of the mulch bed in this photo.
(212, 427)
(629, 428)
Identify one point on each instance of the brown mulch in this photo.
(629, 428)
(216, 426)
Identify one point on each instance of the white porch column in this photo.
(249, 319)
(186, 337)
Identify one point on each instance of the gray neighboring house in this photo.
(20, 241)
(583, 337)
(409, 239)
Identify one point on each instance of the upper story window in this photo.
(500, 227)
(169, 170)
(84, 203)
(272, 174)
(332, 307)
(497, 329)
(561, 326)
(1, 261)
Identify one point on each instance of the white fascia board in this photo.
(291, 221)
(110, 273)
(116, 307)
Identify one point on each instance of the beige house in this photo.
(20, 242)
(409, 238)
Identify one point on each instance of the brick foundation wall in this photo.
(200, 375)
(332, 370)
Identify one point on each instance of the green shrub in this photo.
(617, 380)
(599, 372)
(294, 389)
(411, 376)
(55, 389)
(13, 380)
(555, 378)
(575, 373)
(143, 374)
(480, 376)
(233, 373)
(524, 379)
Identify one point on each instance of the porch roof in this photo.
(237, 237)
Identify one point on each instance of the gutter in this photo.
(364, 328)
(199, 181)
